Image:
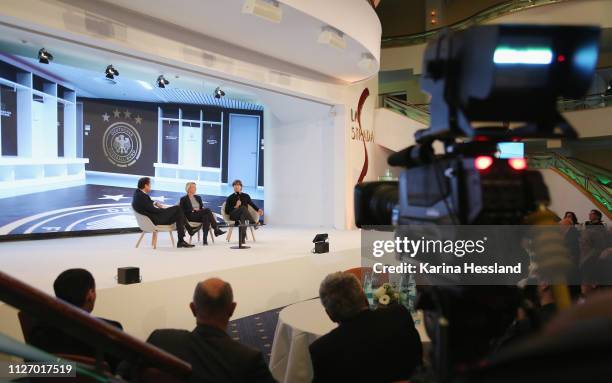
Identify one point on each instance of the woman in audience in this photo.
(571, 216)
(194, 210)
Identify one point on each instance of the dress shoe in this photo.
(184, 244)
(193, 230)
(205, 241)
(218, 232)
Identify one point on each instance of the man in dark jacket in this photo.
(77, 287)
(214, 356)
(367, 346)
(237, 206)
(143, 204)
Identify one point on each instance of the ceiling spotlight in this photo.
(333, 37)
(219, 93)
(266, 9)
(111, 72)
(44, 57)
(162, 82)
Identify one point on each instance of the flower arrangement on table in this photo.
(385, 295)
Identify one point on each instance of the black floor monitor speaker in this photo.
(321, 247)
(128, 275)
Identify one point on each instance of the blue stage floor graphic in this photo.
(82, 208)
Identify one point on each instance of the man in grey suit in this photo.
(213, 355)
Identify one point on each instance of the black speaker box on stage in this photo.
(128, 275)
(321, 247)
(321, 244)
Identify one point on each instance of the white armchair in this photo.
(211, 231)
(230, 223)
(147, 226)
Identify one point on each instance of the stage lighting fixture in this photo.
(44, 57)
(111, 72)
(162, 82)
(266, 9)
(332, 37)
(219, 93)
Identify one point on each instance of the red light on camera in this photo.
(483, 162)
(517, 163)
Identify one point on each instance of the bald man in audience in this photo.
(212, 353)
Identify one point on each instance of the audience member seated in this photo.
(571, 216)
(595, 217)
(538, 309)
(77, 287)
(143, 204)
(194, 211)
(571, 237)
(596, 273)
(237, 207)
(367, 346)
(212, 353)
(592, 243)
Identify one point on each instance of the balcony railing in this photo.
(596, 182)
(490, 13)
(591, 101)
(417, 112)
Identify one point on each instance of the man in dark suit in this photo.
(143, 204)
(77, 287)
(367, 346)
(213, 355)
(237, 206)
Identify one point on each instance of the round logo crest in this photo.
(122, 144)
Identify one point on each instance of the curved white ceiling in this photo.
(293, 40)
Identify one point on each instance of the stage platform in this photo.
(83, 208)
(279, 269)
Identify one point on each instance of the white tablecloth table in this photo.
(298, 326)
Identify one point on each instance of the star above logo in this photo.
(127, 114)
(138, 119)
(105, 117)
(113, 197)
(116, 113)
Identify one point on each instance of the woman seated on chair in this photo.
(194, 210)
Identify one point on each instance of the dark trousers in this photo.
(241, 215)
(170, 215)
(204, 216)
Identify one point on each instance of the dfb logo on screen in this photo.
(122, 144)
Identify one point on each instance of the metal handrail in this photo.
(418, 112)
(591, 101)
(582, 177)
(492, 12)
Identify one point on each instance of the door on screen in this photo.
(191, 144)
(243, 149)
